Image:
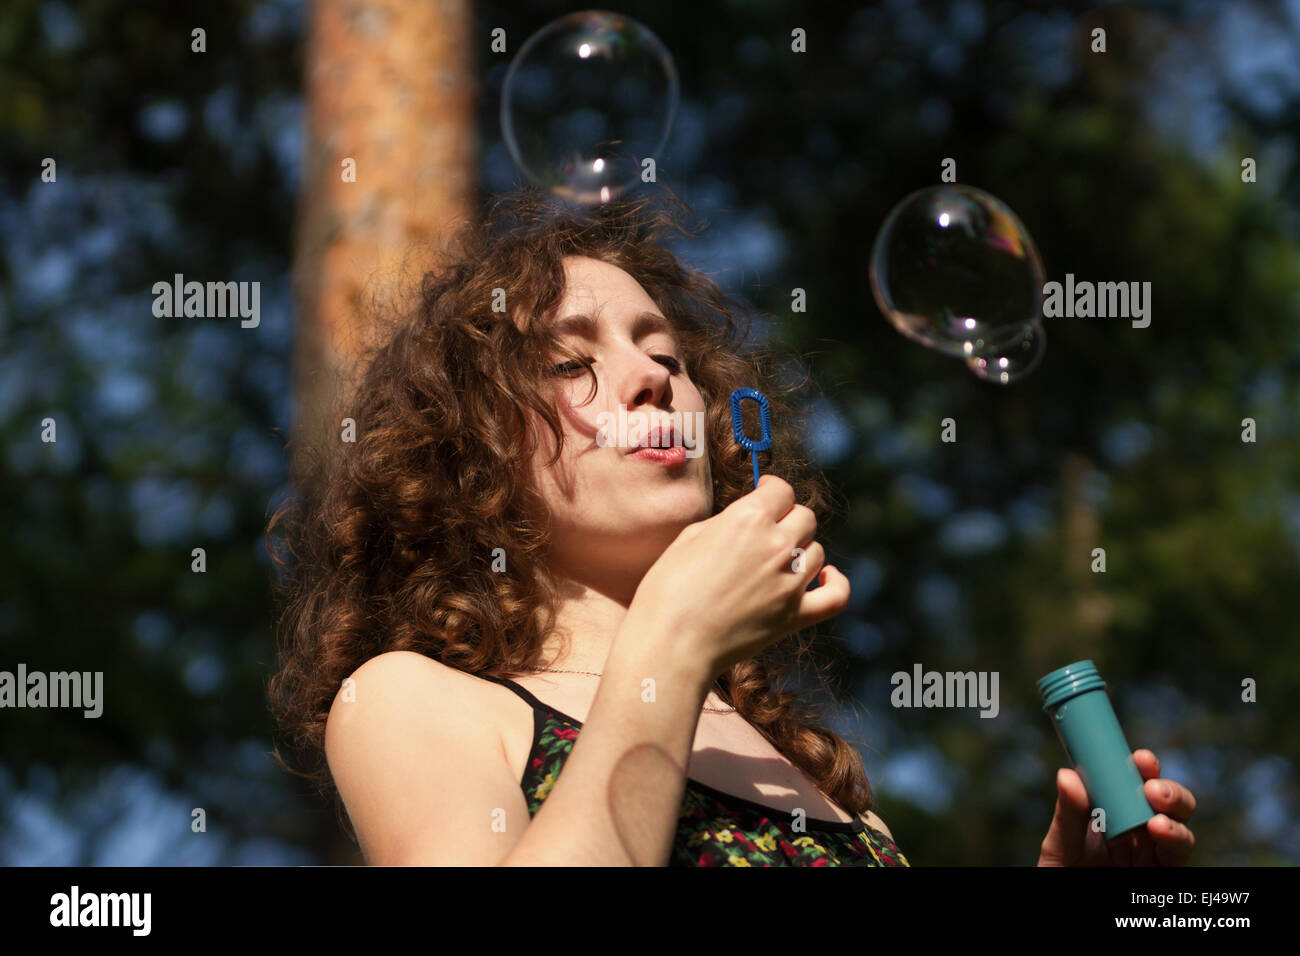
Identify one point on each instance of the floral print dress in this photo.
(713, 828)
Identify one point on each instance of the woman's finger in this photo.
(807, 562)
(824, 602)
(1173, 841)
(1170, 797)
(1064, 844)
(1147, 763)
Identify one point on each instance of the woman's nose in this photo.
(645, 381)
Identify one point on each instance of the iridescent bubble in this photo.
(954, 269)
(1013, 359)
(586, 99)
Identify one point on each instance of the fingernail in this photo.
(1166, 791)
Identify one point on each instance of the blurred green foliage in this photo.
(1125, 166)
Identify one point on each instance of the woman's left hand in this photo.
(1164, 841)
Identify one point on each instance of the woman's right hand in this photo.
(732, 584)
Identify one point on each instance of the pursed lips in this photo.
(663, 436)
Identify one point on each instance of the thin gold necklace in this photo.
(555, 670)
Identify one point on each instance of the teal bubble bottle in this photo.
(1075, 698)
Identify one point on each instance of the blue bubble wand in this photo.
(764, 440)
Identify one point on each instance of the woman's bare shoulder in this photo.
(404, 679)
(417, 758)
(874, 821)
(403, 667)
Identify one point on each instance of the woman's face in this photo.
(615, 509)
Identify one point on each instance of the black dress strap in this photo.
(530, 698)
(521, 691)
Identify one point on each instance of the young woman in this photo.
(543, 553)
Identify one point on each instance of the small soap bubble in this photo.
(954, 269)
(586, 99)
(1012, 359)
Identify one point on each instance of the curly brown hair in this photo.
(390, 537)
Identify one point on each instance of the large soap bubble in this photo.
(587, 99)
(954, 269)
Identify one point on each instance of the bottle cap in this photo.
(1068, 681)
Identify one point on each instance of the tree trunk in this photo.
(390, 85)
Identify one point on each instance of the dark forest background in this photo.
(974, 555)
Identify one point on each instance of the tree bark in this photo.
(390, 85)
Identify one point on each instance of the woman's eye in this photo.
(572, 368)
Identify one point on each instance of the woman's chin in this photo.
(678, 506)
(666, 526)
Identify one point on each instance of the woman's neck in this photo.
(587, 618)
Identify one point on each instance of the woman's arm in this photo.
(425, 779)
(618, 800)
(423, 775)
